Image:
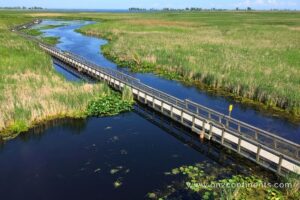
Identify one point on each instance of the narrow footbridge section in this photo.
(266, 149)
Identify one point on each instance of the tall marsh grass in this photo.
(127, 94)
(251, 55)
(30, 89)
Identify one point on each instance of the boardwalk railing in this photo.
(269, 150)
(266, 149)
(26, 26)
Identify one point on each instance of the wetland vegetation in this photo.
(206, 182)
(31, 90)
(38, 33)
(111, 104)
(194, 46)
(252, 56)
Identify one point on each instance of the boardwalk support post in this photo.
(257, 153)
(223, 134)
(279, 164)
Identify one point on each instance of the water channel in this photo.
(124, 156)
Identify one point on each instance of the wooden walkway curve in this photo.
(271, 151)
(266, 149)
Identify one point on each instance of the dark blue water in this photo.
(84, 159)
(75, 160)
(121, 157)
(89, 47)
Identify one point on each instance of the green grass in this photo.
(31, 90)
(51, 26)
(252, 55)
(38, 33)
(50, 40)
(33, 32)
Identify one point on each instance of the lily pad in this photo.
(152, 195)
(113, 171)
(117, 183)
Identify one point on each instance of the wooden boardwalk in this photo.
(266, 149)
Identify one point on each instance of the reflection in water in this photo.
(2, 143)
(217, 153)
(74, 126)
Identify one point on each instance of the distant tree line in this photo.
(138, 9)
(195, 9)
(192, 9)
(21, 8)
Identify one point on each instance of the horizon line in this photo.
(151, 9)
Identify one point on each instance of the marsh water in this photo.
(120, 157)
(90, 48)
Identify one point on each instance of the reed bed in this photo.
(252, 55)
(30, 89)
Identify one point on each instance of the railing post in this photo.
(209, 115)
(181, 118)
(257, 153)
(275, 143)
(223, 134)
(171, 111)
(256, 135)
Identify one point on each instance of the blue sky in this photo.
(124, 4)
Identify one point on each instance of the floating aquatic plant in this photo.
(117, 183)
(113, 171)
(108, 105)
(208, 182)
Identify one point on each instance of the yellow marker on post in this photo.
(230, 109)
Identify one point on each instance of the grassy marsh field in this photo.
(254, 56)
(30, 88)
